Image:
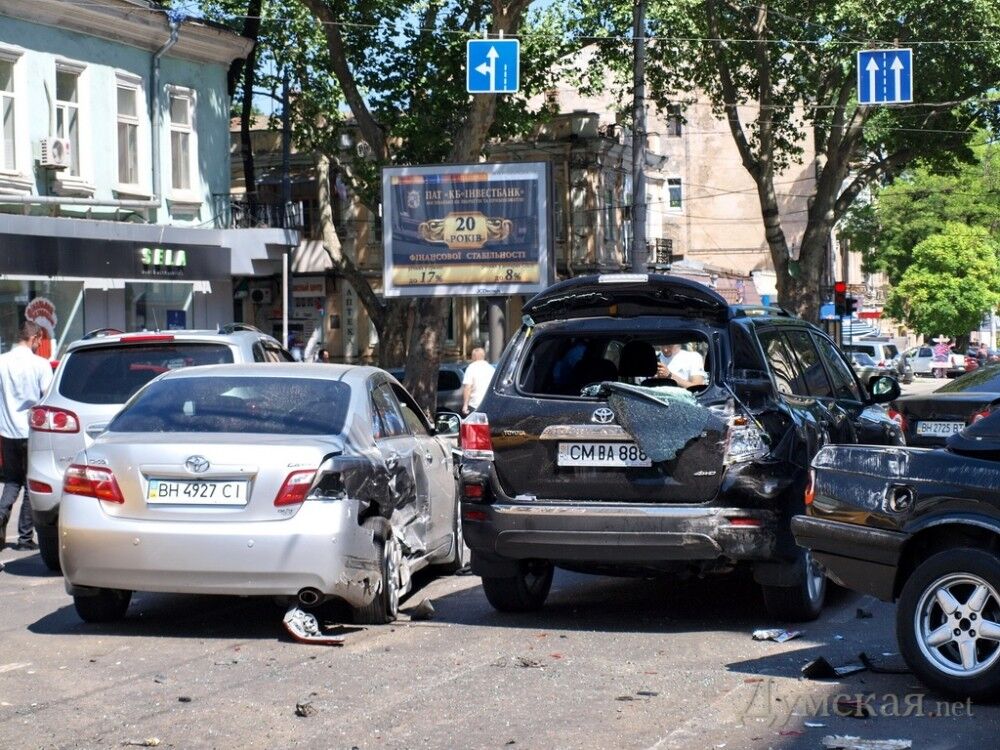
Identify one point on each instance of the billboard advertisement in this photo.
(466, 230)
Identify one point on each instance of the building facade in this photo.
(115, 120)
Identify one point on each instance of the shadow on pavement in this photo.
(30, 566)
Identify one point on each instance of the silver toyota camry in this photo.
(289, 480)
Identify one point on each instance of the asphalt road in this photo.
(609, 663)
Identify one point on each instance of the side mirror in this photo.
(447, 424)
(750, 383)
(883, 389)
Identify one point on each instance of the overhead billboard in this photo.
(466, 230)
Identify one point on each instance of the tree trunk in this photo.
(246, 145)
(423, 356)
(395, 335)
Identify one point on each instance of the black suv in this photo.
(588, 454)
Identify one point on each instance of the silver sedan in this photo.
(300, 481)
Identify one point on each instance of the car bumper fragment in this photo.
(321, 546)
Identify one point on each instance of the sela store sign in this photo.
(162, 261)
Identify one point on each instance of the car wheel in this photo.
(385, 606)
(460, 551)
(48, 548)
(524, 592)
(107, 605)
(948, 622)
(803, 601)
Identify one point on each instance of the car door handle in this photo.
(429, 457)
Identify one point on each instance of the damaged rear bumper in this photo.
(615, 533)
(857, 557)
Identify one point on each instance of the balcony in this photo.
(237, 212)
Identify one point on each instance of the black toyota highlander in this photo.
(640, 424)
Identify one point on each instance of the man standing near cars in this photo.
(24, 378)
(684, 367)
(477, 379)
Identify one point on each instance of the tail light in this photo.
(295, 488)
(35, 486)
(981, 415)
(810, 493)
(51, 419)
(898, 418)
(147, 338)
(475, 437)
(92, 481)
(745, 442)
(473, 490)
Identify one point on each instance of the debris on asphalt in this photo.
(647, 693)
(183, 698)
(624, 698)
(821, 669)
(864, 614)
(159, 679)
(526, 663)
(148, 742)
(883, 667)
(305, 628)
(813, 724)
(305, 709)
(776, 634)
(838, 742)
(423, 611)
(855, 708)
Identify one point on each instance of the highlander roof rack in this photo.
(755, 310)
(97, 332)
(233, 327)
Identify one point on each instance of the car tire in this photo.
(107, 605)
(953, 577)
(48, 548)
(524, 592)
(802, 602)
(385, 606)
(460, 552)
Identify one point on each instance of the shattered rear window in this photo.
(564, 364)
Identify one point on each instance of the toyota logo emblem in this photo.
(197, 464)
(604, 415)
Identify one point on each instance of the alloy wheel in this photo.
(957, 624)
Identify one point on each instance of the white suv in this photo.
(95, 378)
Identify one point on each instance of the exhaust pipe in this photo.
(310, 597)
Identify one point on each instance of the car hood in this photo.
(626, 295)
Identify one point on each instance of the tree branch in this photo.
(369, 127)
(765, 125)
(729, 95)
(889, 165)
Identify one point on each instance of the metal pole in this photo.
(286, 151)
(639, 250)
(496, 314)
(284, 298)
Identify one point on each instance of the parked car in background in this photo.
(304, 482)
(95, 377)
(930, 419)
(449, 390)
(866, 368)
(582, 455)
(924, 362)
(921, 528)
(885, 354)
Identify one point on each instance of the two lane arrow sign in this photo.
(877, 87)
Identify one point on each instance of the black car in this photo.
(920, 527)
(449, 389)
(592, 459)
(929, 419)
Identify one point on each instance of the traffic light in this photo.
(850, 306)
(839, 298)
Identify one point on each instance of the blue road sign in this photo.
(492, 66)
(885, 76)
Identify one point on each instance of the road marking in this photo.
(14, 665)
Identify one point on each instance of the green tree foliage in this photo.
(783, 76)
(950, 283)
(921, 203)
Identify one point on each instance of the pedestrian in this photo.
(683, 366)
(476, 381)
(983, 353)
(24, 378)
(323, 356)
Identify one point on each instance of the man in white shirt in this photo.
(477, 379)
(684, 367)
(24, 378)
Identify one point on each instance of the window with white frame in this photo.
(8, 105)
(674, 193)
(68, 115)
(181, 139)
(128, 133)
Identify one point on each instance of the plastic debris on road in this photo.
(776, 634)
(305, 628)
(423, 611)
(821, 669)
(837, 742)
(883, 667)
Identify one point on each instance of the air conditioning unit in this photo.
(260, 296)
(55, 153)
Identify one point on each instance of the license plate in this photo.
(939, 428)
(193, 492)
(602, 454)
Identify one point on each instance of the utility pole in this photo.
(639, 250)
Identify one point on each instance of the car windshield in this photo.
(269, 405)
(863, 359)
(983, 380)
(112, 374)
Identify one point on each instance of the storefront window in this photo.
(158, 306)
(57, 306)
